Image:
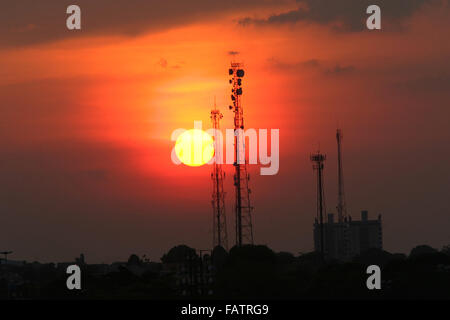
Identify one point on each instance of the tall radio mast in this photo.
(318, 160)
(341, 207)
(243, 208)
(220, 236)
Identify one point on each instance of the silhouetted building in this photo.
(343, 241)
(335, 238)
(365, 234)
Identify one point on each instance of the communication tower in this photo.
(243, 208)
(220, 237)
(318, 160)
(341, 207)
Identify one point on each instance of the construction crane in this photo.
(220, 236)
(243, 208)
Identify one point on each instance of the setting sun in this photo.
(194, 147)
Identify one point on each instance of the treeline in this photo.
(249, 272)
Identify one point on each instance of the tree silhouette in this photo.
(134, 260)
(421, 250)
(178, 254)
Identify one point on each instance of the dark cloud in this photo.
(339, 70)
(348, 15)
(310, 64)
(25, 22)
(233, 53)
(274, 62)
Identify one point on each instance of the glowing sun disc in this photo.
(194, 147)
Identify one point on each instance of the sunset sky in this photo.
(86, 118)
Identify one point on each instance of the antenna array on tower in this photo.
(243, 208)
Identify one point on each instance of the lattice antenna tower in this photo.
(318, 160)
(243, 208)
(341, 206)
(220, 236)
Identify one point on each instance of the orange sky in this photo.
(87, 121)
